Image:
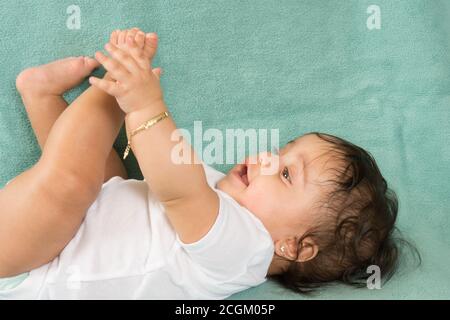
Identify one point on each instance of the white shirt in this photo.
(126, 248)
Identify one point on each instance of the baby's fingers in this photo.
(117, 71)
(124, 58)
(108, 86)
(137, 53)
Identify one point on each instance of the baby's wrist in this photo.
(150, 110)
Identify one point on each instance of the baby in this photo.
(187, 231)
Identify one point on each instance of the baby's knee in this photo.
(70, 188)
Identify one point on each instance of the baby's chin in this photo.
(238, 191)
(226, 185)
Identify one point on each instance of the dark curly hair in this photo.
(358, 228)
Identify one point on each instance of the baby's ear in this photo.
(290, 249)
(287, 248)
(308, 250)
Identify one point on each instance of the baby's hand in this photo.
(132, 81)
(148, 42)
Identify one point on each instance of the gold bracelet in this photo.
(145, 126)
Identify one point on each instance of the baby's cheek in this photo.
(259, 197)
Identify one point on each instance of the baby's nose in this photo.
(268, 162)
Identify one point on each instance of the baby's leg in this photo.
(41, 89)
(42, 209)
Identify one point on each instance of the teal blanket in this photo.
(296, 66)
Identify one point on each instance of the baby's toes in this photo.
(90, 63)
(121, 42)
(78, 65)
(132, 33)
(114, 39)
(140, 39)
(151, 45)
(131, 45)
(126, 35)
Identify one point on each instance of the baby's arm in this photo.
(190, 204)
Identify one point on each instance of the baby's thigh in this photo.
(41, 210)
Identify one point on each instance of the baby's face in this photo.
(283, 200)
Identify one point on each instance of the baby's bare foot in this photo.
(147, 42)
(55, 78)
(118, 38)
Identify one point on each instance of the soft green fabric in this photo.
(295, 65)
(11, 283)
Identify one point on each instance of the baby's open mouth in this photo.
(243, 174)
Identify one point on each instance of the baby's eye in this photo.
(285, 174)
